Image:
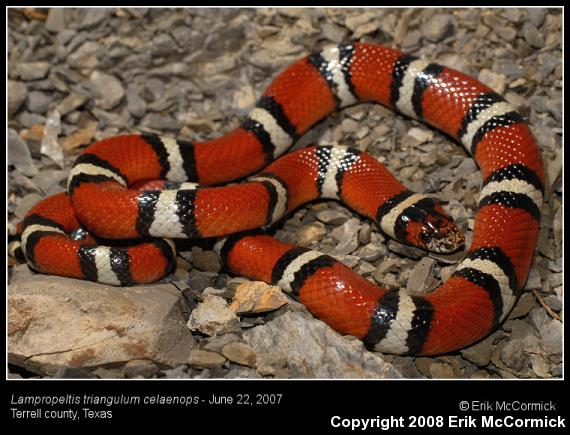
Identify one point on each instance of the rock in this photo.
(70, 372)
(349, 125)
(177, 372)
(240, 372)
(333, 33)
(107, 89)
(33, 138)
(551, 336)
(440, 370)
(387, 265)
(160, 121)
(16, 179)
(523, 306)
(538, 318)
(521, 329)
(28, 120)
(103, 373)
(19, 154)
(205, 260)
(554, 302)
(553, 169)
(421, 280)
(272, 364)
(412, 39)
(536, 16)
(213, 317)
(309, 234)
(93, 17)
(30, 71)
(17, 93)
(71, 102)
(38, 102)
(86, 56)
(348, 260)
(313, 350)
(163, 45)
(434, 368)
(495, 81)
(239, 353)
(140, 367)
(532, 36)
(544, 244)
(405, 250)
(250, 322)
(48, 179)
(14, 376)
(374, 250)
(82, 136)
(257, 297)
(480, 353)
(506, 32)
(135, 104)
(509, 68)
(540, 366)
(421, 135)
(365, 268)
(533, 281)
(50, 145)
(512, 354)
(334, 217)
(446, 272)
(365, 234)
(405, 365)
(353, 22)
(199, 280)
(55, 20)
(64, 36)
(437, 27)
(347, 235)
(56, 321)
(555, 370)
(184, 36)
(217, 342)
(224, 293)
(26, 203)
(203, 359)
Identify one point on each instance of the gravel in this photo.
(195, 74)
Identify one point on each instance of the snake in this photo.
(151, 189)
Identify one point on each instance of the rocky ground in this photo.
(79, 75)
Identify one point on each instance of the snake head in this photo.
(425, 224)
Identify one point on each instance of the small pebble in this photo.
(213, 317)
(203, 359)
(144, 368)
(437, 27)
(17, 93)
(257, 297)
(19, 154)
(239, 353)
(33, 70)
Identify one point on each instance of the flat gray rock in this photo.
(17, 93)
(19, 154)
(314, 350)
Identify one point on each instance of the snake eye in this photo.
(424, 236)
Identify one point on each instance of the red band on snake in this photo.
(110, 194)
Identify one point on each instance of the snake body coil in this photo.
(109, 193)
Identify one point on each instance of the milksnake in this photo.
(110, 192)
